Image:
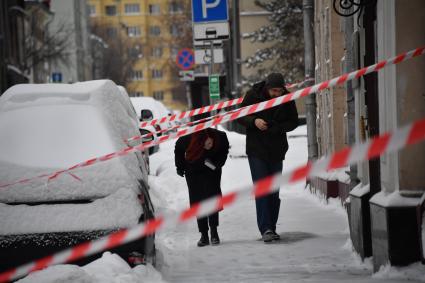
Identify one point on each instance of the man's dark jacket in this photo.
(271, 144)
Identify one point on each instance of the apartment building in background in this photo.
(151, 41)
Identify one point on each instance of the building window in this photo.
(175, 7)
(174, 30)
(111, 10)
(174, 52)
(111, 32)
(133, 31)
(156, 74)
(154, 30)
(135, 52)
(130, 9)
(154, 9)
(137, 75)
(92, 10)
(157, 52)
(137, 93)
(158, 95)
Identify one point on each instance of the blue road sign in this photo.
(57, 77)
(204, 11)
(185, 59)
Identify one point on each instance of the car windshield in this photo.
(53, 136)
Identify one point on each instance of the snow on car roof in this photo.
(158, 109)
(45, 127)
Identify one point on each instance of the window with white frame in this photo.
(154, 9)
(137, 93)
(158, 95)
(154, 30)
(137, 75)
(157, 52)
(157, 74)
(110, 10)
(175, 7)
(132, 9)
(133, 31)
(91, 10)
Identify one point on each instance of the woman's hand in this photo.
(209, 142)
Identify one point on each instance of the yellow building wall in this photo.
(147, 63)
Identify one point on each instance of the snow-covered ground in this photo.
(315, 244)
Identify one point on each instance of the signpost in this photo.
(187, 76)
(209, 11)
(214, 86)
(57, 77)
(185, 59)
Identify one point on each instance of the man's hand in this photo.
(261, 124)
(180, 172)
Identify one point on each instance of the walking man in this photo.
(266, 145)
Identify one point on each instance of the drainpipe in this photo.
(309, 60)
(351, 112)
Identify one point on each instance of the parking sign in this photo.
(209, 11)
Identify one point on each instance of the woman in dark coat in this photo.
(199, 157)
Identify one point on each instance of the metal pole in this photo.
(236, 49)
(309, 58)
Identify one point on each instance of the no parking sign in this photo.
(185, 59)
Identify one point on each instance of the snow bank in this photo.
(336, 175)
(360, 190)
(413, 272)
(110, 268)
(393, 199)
(119, 210)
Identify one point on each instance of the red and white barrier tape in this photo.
(386, 143)
(188, 124)
(238, 113)
(206, 109)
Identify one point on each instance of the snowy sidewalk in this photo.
(314, 245)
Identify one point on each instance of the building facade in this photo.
(71, 21)
(386, 208)
(12, 44)
(152, 41)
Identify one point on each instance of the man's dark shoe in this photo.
(276, 236)
(215, 240)
(268, 236)
(204, 241)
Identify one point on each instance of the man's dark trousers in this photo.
(267, 206)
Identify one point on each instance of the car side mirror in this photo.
(146, 115)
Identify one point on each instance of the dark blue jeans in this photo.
(269, 205)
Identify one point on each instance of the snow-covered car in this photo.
(148, 109)
(49, 127)
(149, 131)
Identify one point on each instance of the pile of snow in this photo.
(119, 210)
(340, 175)
(110, 268)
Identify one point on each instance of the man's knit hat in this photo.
(275, 80)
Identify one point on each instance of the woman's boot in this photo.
(204, 241)
(215, 240)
